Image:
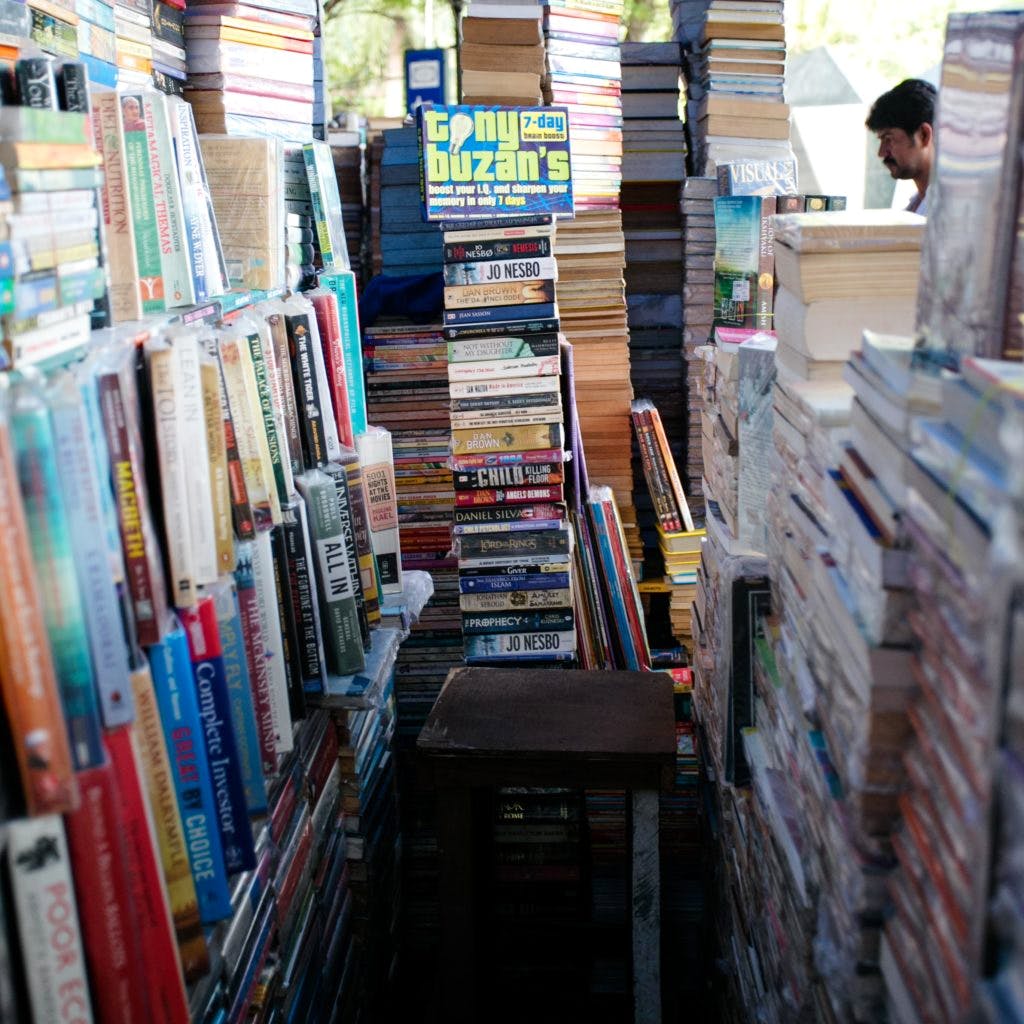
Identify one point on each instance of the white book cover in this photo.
(375, 454)
(270, 621)
(44, 903)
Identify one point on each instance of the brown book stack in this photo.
(501, 55)
(592, 305)
(698, 210)
(825, 263)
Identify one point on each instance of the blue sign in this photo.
(424, 78)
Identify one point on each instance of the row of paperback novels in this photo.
(201, 471)
(511, 529)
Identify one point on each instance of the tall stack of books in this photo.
(501, 59)
(735, 91)
(96, 40)
(169, 57)
(698, 210)
(653, 168)
(348, 151)
(408, 244)
(230, 49)
(508, 443)
(585, 76)
(133, 42)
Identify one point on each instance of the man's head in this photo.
(902, 119)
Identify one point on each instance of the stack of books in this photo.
(698, 218)
(133, 42)
(512, 535)
(169, 57)
(96, 41)
(51, 278)
(735, 97)
(653, 168)
(824, 264)
(501, 58)
(230, 48)
(408, 243)
(584, 75)
(348, 151)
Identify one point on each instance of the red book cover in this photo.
(157, 947)
(326, 305)
(108, 922)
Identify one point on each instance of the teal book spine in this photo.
(54, 560)
(96, 581)
(343, 284)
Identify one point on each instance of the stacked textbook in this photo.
(512, 534)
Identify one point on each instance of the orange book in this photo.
(241, 35)
(27, 678)
(48, 155)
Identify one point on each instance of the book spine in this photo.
(54, 561)
(165, 386)
(219, 735)
(135, 537)
(647, 463)
(323, 232)
(340, 477)
(538, 455)
(193, 201)
(87, 523)
(289, 626)
(326, 305)
(343, 647)
(511, 250)
(167, 820)
(467, 442)
(270, 623)
(170, 223)
(518, 600)
(483, 421)
(108, 921)
(491, 272)
(540, 542)
(477, 300)
(141, 202)
(510, 495)
(539, 474)
(302, 589)
(157, 949)
(504, 583)
(216, 448)
(285, 389)
(662, 445)
(241, 508)
(280, 463)
(520, 645)
(243, 717)
(500, 369)
(548, 384)
(514, 403)
(364, 543)
(478, 349)
(48, 929)
(344, 287)
(193, 433)
(308, 397)
(234, 365)
(516, 622)
(171, 668)
(125, 287)
(539, 321)
(377, 460)
(539, 517)
(256, 656)
(766, 266)
(330, 426)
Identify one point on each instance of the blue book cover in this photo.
(343, 284)
(500, 314)
(243, 715)
(499, 584)
(172, 679)
(214, 702)
(606, 557)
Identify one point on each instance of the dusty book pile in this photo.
(501, 58)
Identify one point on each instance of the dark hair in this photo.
(908, 106)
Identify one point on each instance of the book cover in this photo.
(44, 905)
(142, 204)
(148, 735)
(377, 460)
(171, 669)
(108, 920)
(765, 320)
(80, 488)
(251, 625)
(214, 700)
(157, 948)
(339, 475)
(344, 287)
(327, 212)
(484, 272)
(737, 259)
(339, 617)
(54, 558)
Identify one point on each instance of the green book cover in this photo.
(737, 259)
(339, 615)
(140, 193)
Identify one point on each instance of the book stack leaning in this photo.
(508, 443)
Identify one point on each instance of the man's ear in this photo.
(925, 131)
